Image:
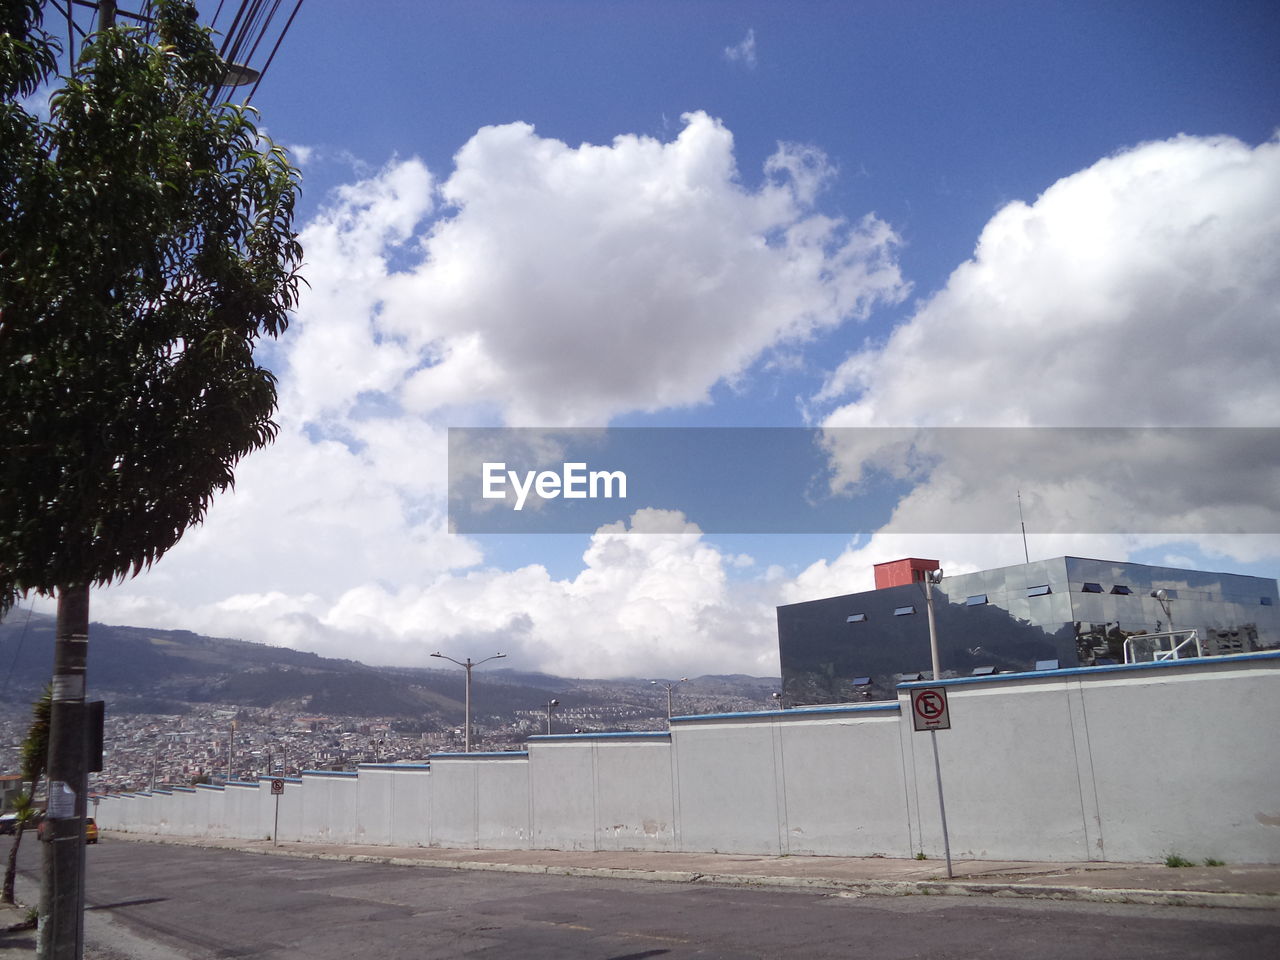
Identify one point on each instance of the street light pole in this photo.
(668, 687)
(930, 578)
(551, 705)
(467, 665)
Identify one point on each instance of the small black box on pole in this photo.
(95, 718)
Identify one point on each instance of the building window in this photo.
(904, 611)
(1040, 591)
(1092, 588)
(976, 600)
(1266, 601)
(855, 618)
(1121, 589)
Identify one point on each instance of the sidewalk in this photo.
(15, 942)
(1248, 886)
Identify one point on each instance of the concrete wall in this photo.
(243, 813)
(1105, 763)
(1126, 763)
(328, 813)
(602, 791)
(1178, 771)
(285, 808)
(393, 804)
(480, 800)
(825, 780)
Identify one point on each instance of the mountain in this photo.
(144, 670)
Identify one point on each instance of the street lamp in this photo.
(551, 705)
(467, 665)
(668, 687)
(1162, 597)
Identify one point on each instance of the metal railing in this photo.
(1151, 647)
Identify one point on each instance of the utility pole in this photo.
(930, 578)
(551, 705)
(231, 745)
(61, 933)
(61, 927)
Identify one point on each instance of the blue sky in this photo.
(573, 214)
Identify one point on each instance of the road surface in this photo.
(157, 901)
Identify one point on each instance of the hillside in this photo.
(143, 670)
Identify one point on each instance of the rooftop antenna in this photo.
(1026, 555)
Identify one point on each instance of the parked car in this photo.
(8, 824)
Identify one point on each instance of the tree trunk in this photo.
(11, 867)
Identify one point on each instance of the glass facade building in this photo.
(1065, 612)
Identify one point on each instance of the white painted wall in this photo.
(602, 791)
(817, 781)
(241, 812)
(1188, 764)
(411, 806)
(1125, 763)
(328, 808)
(727, 790)
(562, 786)
(287, 808)
(375, 814)
(504, 819)
(452, 821)
(843, 784)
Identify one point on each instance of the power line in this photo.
(254, 25)
(22, 637)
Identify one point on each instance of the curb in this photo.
(882, 888)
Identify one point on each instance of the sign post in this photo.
(929, 711)
(277, 788)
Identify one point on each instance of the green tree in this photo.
(35, 750)
(146, 246)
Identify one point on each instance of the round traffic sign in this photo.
(930, 705)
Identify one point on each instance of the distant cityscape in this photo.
(211, 743)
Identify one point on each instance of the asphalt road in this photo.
(154, 901)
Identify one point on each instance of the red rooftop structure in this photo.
(897, 573)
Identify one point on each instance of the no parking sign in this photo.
(929, 708)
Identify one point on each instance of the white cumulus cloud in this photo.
(565, 285)
(1143, 291)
